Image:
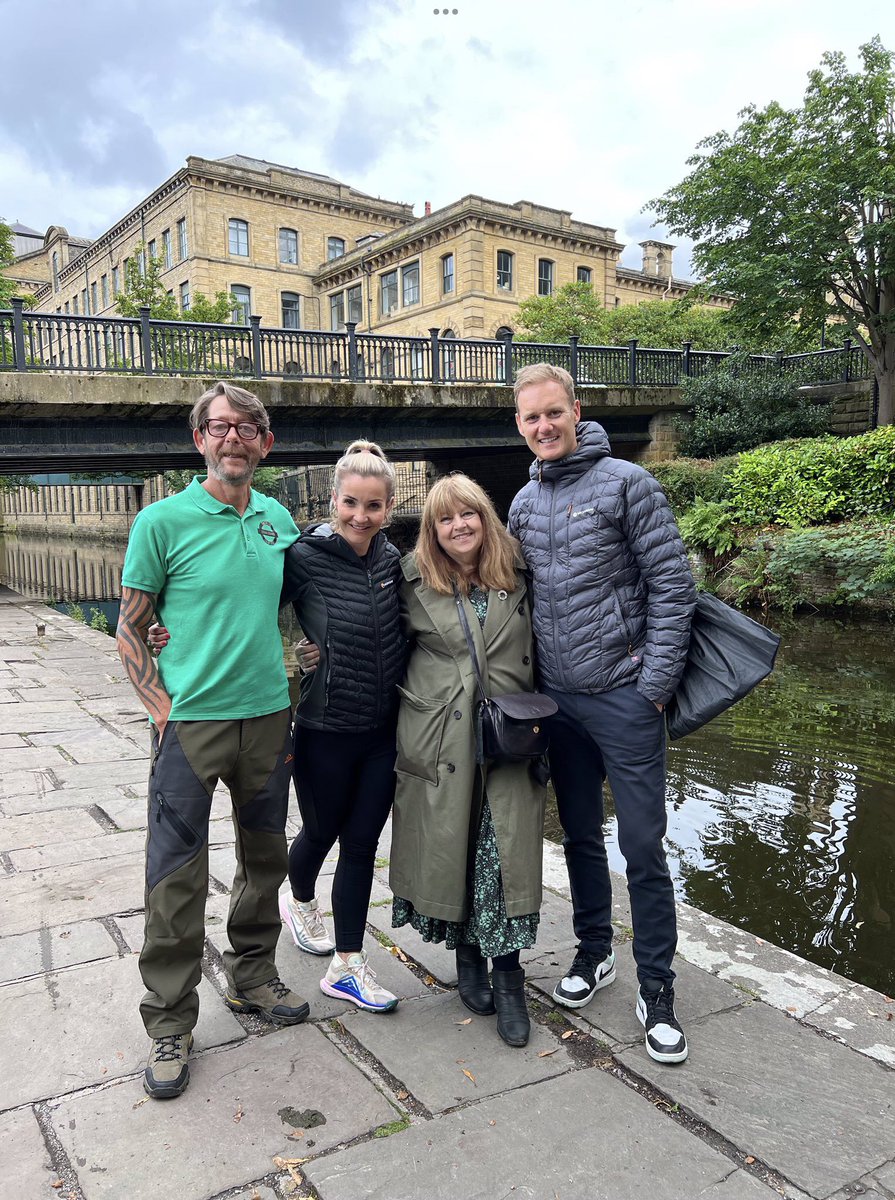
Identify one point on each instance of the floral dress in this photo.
(487, 925)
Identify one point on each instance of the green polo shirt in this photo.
(218, 578)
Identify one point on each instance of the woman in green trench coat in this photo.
(466, 839)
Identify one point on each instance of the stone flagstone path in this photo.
(789, 1089)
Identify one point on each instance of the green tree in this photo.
(143, 286)
(7, 287)
(735, 408)
(792, 213)
(574, 309)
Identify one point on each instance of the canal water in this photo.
(781, 813)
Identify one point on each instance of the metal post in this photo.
(573, 357)
(779, 355)
(508, 360)
(255, 324)
(632, 362)
(145, 339)
(846, 370)
(433, 338)
(351, 328)
(685, 365)
(18, 335)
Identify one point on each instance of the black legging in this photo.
(346, 785)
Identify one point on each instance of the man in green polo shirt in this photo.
(209, 561)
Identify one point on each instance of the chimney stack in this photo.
(428, 209)
(657, 259)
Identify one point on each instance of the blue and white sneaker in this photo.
(355, 980)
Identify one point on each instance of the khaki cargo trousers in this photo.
(253, 758)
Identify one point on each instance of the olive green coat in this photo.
(438, 799)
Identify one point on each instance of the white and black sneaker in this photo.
(665, 1040)
(587, 974)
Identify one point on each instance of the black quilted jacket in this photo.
(613, 592)
(348, 606)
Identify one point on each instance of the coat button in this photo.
(457, 714)
(451, 768)
(526, 660)
(521, 609)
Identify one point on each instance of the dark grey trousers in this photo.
(619, 735)
(253, 758)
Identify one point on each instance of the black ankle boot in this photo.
(513, 1022)
(472, 981)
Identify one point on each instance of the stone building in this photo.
(306, 251)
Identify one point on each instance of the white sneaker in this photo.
(304, 922)
(355, 980)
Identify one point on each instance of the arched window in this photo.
(291, 310)
(504, 270)
(545, 277)
(503, 333)
(288, 246)
(239, 237)
(242, 307)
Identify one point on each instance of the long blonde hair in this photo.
(368, 460)
(497, 560)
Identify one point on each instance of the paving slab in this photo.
(225, 1130)
(63, 853)
(427, 1045)
(774, 975)
(125, 811)
(25, 717)
(818, 1113)
(49, 949)
(96, 745)
(110, 1043)
(611, 1012)
(584, 1136)
(862, 1019)
(11, 741)
(38, 829)
(27, 1168)
(65, 895)
(33, 757)
(49, 798)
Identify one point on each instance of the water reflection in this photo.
(781, 814)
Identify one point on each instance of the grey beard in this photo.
(217, 472)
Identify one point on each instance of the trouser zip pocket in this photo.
(184, 831)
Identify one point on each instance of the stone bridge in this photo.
(55, 422)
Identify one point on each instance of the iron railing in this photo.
(31, 341)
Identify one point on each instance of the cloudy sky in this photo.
(587, 105)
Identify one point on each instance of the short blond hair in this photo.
(497, 561)
(544, 372)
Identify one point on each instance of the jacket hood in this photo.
(593, 443)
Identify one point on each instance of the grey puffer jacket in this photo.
(613, 592)
(348, 606)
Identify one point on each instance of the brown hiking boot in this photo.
(271, 1000)
(168, 1070)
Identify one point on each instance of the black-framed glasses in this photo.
(219, 428)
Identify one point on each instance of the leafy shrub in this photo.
(99, 621)
(828, 567)
(738, 406)
(685, 479)
(816, 480)
(709, 526)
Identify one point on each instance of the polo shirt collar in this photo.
(204, 500)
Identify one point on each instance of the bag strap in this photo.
(467, 632)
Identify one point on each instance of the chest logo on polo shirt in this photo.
(268, 533)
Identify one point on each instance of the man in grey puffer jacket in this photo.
(613, 600)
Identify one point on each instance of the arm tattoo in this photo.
(137, 611)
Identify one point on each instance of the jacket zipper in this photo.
(554, 618)
(377, 637)
(187, 833)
